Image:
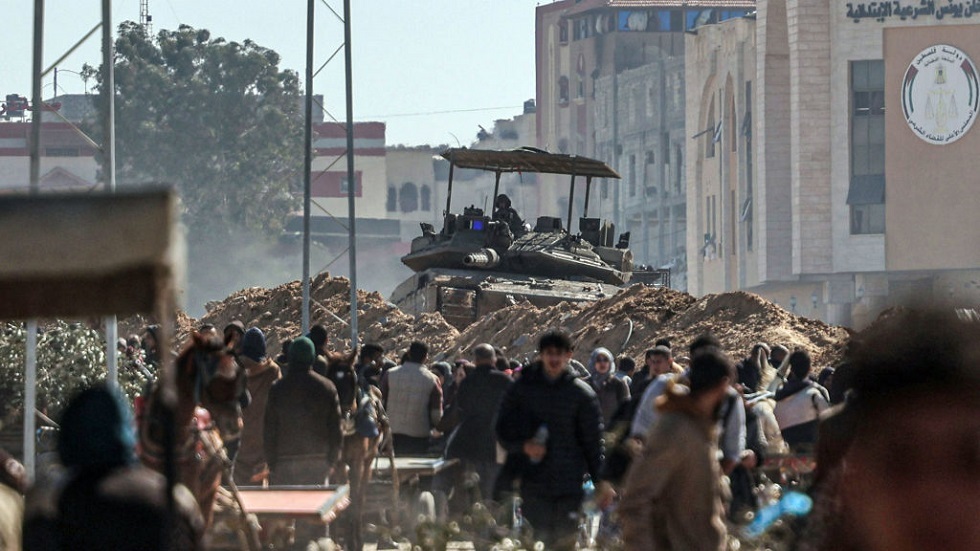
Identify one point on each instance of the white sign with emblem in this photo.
(940, 95)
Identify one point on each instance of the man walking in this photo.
(261, 373)
(673, 499)
(473, 441)
(302, 429)
(554, 418)
(302, 422)
(413, 398)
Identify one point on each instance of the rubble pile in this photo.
(277, 312)
(627, 323)
(631, 321)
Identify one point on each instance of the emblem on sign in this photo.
(940, 94)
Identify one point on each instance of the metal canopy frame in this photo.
(528, 159)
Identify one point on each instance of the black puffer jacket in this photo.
(477, 401)
(570, 409)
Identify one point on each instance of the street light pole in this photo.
(109, 162)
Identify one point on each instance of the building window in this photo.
(632, 175)
(866, 194)
(580, 91)
(563, 31)
(391, 202)
(678, 174)
(426, 196)
(582, 29)
(563, 91)
(867, 219)
(747, 134)
(709, 132)
(408, 197)
(732, 127)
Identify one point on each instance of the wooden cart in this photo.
(274, 509)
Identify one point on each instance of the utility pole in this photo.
(307, 165)
(351, 183)
(30, 354)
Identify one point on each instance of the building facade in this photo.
(861, 157)
(640, 130)
(610, 85)
(68, 161)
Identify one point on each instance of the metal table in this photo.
(317, 504)
(411, 467)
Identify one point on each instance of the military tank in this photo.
(480, 262)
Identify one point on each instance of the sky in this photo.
(431, 69)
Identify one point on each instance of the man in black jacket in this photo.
(473, 441)
(562, 415)
(302, 435)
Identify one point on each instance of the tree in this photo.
(70, 358)
(217, 119)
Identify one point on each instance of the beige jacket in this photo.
(673, 493)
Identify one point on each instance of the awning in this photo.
(527, 159)
(866, 190)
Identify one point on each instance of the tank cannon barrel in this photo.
(484, 258)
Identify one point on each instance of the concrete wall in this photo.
(932, 200)
(374, 186)
(771, 119)
(808, 29)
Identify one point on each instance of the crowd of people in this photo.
(672, 442)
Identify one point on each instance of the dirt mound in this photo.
(627, 323)
(277, 312)
(741, 319)
(631, 321)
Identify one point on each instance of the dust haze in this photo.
(215, 271)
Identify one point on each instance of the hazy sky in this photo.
(411, 58)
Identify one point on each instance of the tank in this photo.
(480, 262)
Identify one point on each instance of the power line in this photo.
(424, 113)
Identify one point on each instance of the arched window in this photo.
(426, 196)
(710, 131)
(408, 197)
(391, 203)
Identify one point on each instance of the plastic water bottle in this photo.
(588, 501)
(791, 504)
(540, 438)
(517, 518)
(592, 516)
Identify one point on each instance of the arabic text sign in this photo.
(880, 11)
(940, 94)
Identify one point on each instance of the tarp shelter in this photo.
(80, 255)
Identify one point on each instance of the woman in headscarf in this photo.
(611, 390)
(108, 500)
